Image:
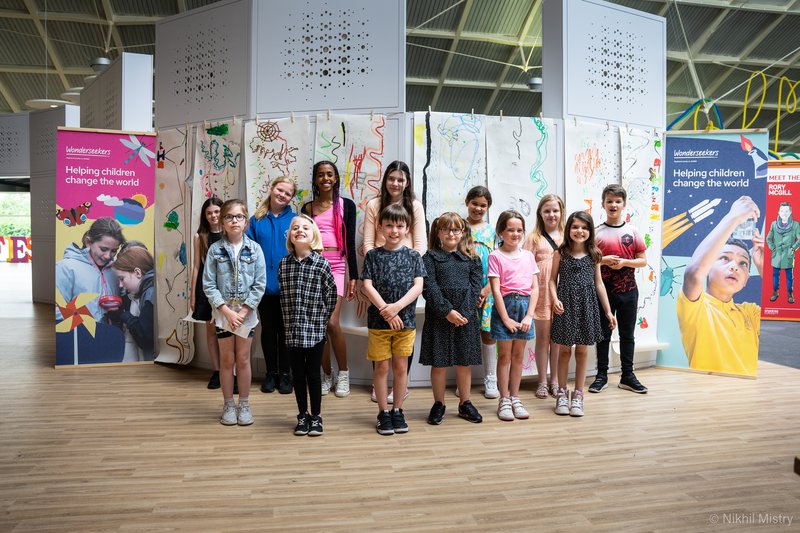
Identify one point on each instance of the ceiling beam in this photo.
(492, 38)
(739, 5)
(38, 69)
(453, 46)
(675, 55)
(523, 32)
(83, 18)
(466, 84)
(9, 97)
(51, 52)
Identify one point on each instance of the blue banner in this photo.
(712, 251)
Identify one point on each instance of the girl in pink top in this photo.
(515, 286)
(543, 241)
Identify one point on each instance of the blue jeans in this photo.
(516, 307)
(776, 274)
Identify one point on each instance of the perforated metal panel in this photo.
(613, 61)
(203, 64)
(121, 97)
(14, 145)
(43, 127)
(342, 55)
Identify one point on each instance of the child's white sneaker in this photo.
(327, 382)
(504, 410)
(576, 404)
(490, 390)
(562, 402)
(343, 384)
(228, 417)
(245, 417)
(518, 409)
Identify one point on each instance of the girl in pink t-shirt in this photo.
(515, 287)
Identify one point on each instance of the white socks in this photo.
(489, 352)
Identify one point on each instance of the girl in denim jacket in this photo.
(234, 280)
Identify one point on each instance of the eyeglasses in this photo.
(453, 231)
(229, 218)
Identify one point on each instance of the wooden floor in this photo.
(139, 448)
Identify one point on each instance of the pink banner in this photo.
(104, 241)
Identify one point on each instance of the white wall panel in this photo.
(203, 64)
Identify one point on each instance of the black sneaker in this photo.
(436, 414)
(468, 412)
(270, 382)
(630, 383)
(385, 426)
(315, 428)
(399, 421)
(303, 424)
(600, 383)
(235, 385)
(285, 384)
(213, 383)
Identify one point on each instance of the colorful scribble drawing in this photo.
(449, 159)
(641, 152)
(280, 147)
(592, 155)
(174, 211)
(520, 163)
(355, 143)
(217, 160)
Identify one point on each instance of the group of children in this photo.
(567, 284)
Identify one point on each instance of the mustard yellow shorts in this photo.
(384, 343)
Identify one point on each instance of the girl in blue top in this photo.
(234, 280)
(269, 227)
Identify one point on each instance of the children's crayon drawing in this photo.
(642, 176)
(521, 164)
(274, 148)
(449, 159)
(173, 237)
(592, 161)
(216, 163)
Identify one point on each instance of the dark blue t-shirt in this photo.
(392, 273)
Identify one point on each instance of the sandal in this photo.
(554, 390)
(541, 391)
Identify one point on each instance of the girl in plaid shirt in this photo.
(308, 298)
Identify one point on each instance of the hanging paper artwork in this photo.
(173, 237)
(521, 164)
(642, 178)
(216, 163)
(273, 148)
(355, 144)
(449, 159)
(591, 161)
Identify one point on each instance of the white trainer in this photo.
(519, 410)
(490, 389)
(228, 417)
(343, 384)
(562, 402)
(504, 410)
(327, 382)
(576, 404)
(245, 415)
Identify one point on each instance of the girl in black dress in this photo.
(451, 335)
(209, 232)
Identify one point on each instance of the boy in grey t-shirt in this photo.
(393, 277)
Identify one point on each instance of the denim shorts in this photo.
(516, 307)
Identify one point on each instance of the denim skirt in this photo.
(516, 307)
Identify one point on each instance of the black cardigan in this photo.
(348, 233)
